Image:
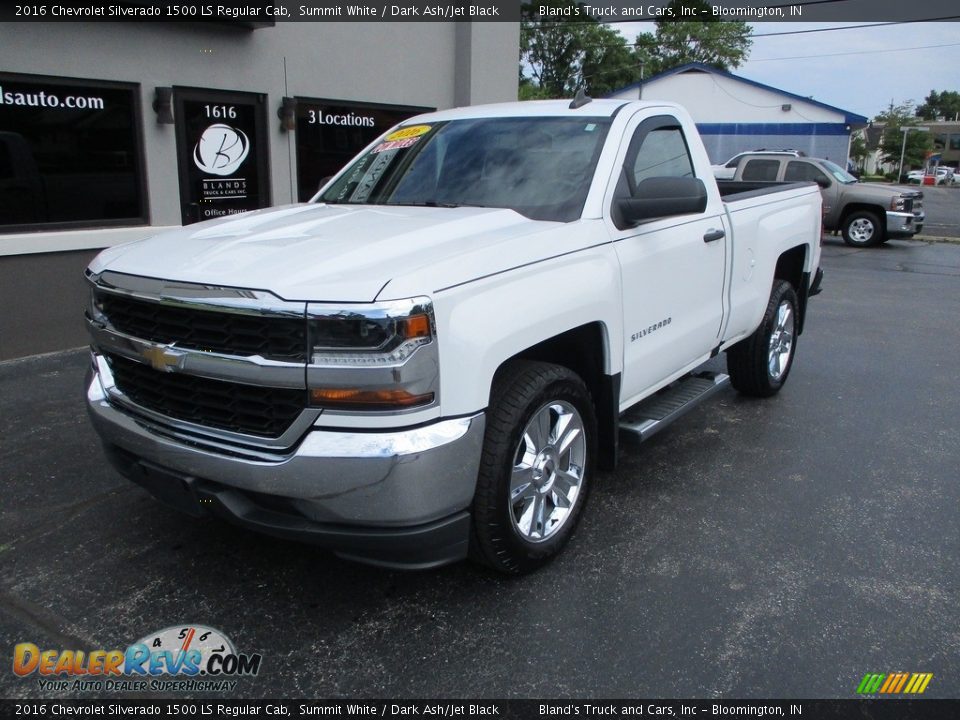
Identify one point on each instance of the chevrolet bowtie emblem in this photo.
(164, 359)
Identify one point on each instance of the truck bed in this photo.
(731, 190)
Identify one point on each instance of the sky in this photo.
(879, 68)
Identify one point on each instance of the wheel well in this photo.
(790, 268)
(857, 207)
(583, 350)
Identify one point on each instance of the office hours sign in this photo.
(222, 153)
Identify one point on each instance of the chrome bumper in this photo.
(383, 479)
(903, 224)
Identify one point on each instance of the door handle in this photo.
(712, 235)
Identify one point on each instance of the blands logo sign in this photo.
(894, 683)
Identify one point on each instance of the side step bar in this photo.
(647, 418)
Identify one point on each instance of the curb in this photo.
(937, 239)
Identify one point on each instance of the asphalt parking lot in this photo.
(942, 207)
(756, 549)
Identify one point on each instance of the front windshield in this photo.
(539, 167)
(838, 172)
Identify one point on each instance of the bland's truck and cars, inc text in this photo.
(431, 359)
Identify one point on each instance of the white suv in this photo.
(727, 170)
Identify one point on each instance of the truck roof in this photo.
(544, 108)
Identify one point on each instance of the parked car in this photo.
(945, 175)
(433, 356)
(941, 175)
(866, 214)
(726, 170)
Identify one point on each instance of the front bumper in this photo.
(903, 224)
(397, 498)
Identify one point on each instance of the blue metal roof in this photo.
(849, 117)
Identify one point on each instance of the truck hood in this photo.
(315, 252)
(880, 193)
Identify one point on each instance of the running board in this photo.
(647, 418)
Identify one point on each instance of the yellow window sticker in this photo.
(408, 132)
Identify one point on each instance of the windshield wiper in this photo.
(434, 203)
(422, 203)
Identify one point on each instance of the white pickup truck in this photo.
(431, 359)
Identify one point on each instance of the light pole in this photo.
(903, 148)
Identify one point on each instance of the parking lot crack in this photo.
(36, 617)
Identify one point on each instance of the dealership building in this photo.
(113, 132)
(734, 114)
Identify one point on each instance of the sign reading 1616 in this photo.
(220, 111)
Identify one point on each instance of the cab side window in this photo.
(803, 172)
(662, 153)
(760, 170)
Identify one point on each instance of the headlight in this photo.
(375, 336)
(365, 357)
(901, 203)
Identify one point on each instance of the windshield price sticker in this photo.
(413, 131)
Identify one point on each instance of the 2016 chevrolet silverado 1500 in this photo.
(431, 358)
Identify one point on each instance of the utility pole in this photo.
(903, 149)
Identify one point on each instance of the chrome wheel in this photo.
(861, 230)
(781, 341)
(547, 471)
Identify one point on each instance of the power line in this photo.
(811, 2)
(628, 44)
(634, 66)
(852, 27)
(855, 52)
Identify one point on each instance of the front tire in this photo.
(759, 364)
(536, 466)
(862, 229)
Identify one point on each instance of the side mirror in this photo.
(824, 182)
(659, 197)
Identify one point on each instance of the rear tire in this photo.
(759, 365)
(863, 229)
(536, 466)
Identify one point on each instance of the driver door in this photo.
(672, 269)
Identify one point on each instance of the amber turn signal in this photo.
(356, 399)
(415, 326)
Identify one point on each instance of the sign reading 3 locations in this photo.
(221, 147)
(331, 132)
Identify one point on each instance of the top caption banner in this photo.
(254, 15)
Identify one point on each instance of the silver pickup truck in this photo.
(866, 214)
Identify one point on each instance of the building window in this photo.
(70, 154)
(955, 142)
(331, 132)
(221, 153)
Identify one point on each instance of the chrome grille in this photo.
(231, 333)
(237, 407)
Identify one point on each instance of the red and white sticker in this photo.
(395, 144)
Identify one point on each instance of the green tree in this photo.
(721, 43)
(560, 56)
(940, 105)
(569, 49)
(918, 145)
(858, 150)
